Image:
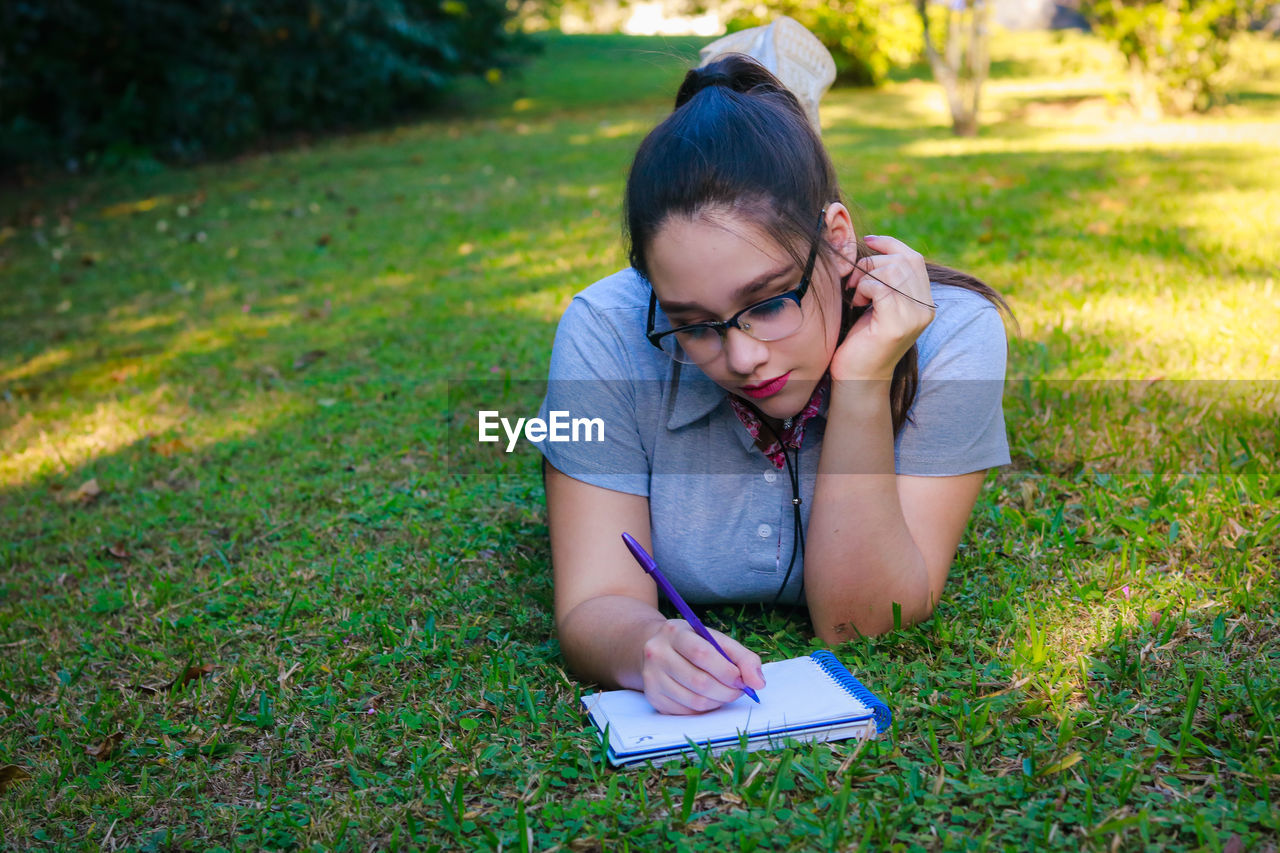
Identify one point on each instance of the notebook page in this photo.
(798, 693)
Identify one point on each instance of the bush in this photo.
(182, 79)
(1176, 49)
(866, 37)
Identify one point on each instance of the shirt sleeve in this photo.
(592, 382)
(956, 424)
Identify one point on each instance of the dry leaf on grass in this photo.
(102, 751)
(191, 673)
(87, 493)
(1028, 492)
(1235, 530)
(313, 313)
(171, 447)
(308, 358)
(11, 774)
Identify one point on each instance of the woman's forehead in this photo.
(709, 261)
(732, 223)
(722, 235)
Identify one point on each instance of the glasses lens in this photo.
(672, 348)
(772, 320)
(695, 345)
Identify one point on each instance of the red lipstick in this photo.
(767, 388)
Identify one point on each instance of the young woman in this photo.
(791, 412)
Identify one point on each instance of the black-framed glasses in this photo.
(771, 319)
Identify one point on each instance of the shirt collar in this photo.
(696, 396)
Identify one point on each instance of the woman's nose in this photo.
(744, 353)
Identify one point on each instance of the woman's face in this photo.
(712, 266)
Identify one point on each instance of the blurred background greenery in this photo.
(85, 83)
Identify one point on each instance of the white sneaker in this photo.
(792, 53)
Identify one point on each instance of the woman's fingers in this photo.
(669, 696)
(889, 245)
(708, 673)
(684, 674)
(747, 661)
(894, 285)
(883, 286)
(903, 272)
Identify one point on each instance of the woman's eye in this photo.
(769, 309)
(696, 333)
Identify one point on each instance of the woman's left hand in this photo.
(895, 286)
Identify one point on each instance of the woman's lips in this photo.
(767, 388)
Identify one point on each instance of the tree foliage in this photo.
(1175, 48)
(866, 38)
(177, 80)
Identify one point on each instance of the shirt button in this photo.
(770, 476)
(763, 531)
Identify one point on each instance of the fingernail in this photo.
(760, 672)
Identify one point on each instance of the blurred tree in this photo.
(534, 15)
(1175, 48)
(130, 78)
(961, 62)
(866, 37)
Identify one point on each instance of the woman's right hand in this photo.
(607, 617)
(684, 674)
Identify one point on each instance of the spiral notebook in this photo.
(813, 698)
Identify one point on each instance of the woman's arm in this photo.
(876, 538)
(610, 628)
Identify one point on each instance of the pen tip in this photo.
(752, 694)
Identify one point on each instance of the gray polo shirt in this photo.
(720, 513)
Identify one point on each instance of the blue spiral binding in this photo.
(831, 666)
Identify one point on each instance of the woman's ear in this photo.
(842, 237)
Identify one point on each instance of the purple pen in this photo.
(646, 562)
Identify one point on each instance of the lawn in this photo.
(251, 596)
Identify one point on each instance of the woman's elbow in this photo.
(875, 622)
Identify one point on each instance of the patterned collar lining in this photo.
(793, 428)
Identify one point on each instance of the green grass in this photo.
(254, 361)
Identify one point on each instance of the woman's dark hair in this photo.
(739, 142)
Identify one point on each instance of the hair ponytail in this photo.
(736, 72)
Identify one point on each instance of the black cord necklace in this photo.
(793, 475)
